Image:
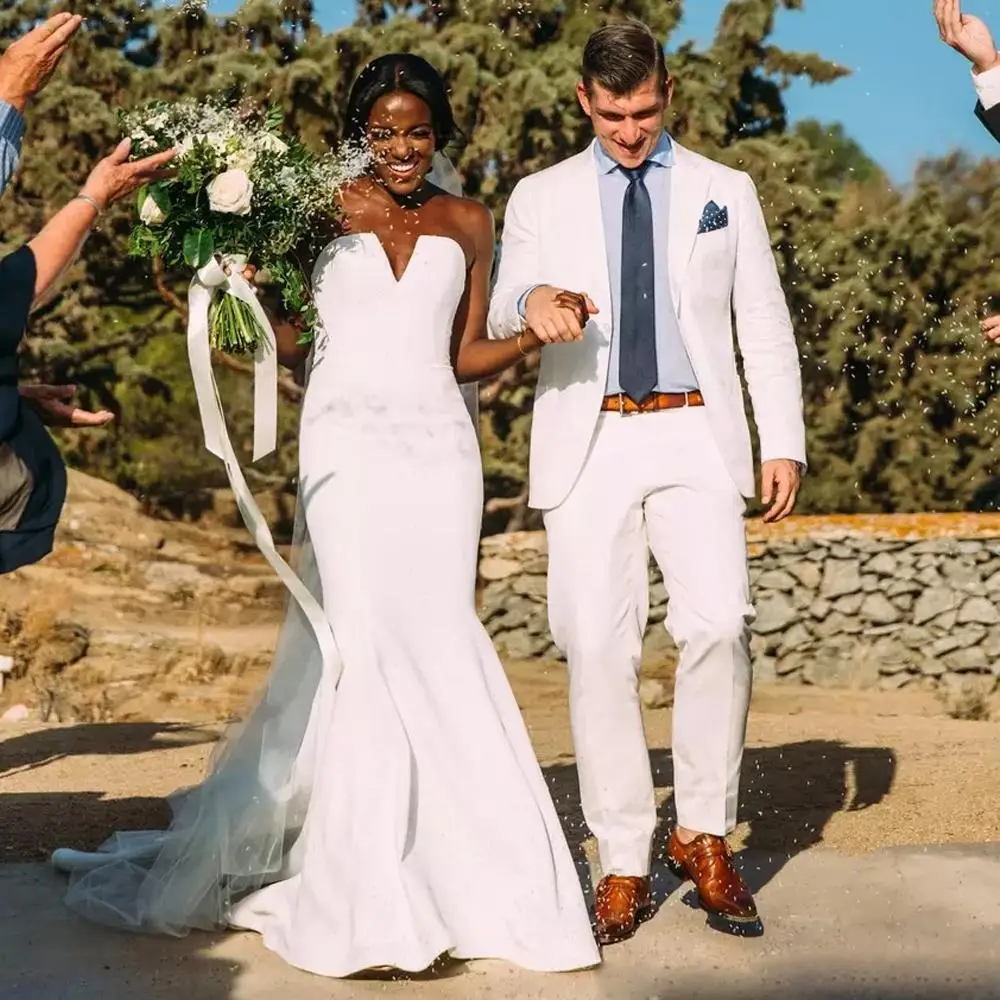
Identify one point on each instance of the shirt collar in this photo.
(662, 155)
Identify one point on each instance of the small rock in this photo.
(530, 586)
(16, 713)
(820, 608)
(519, 645)
(775, 612)
(946, 644)
(931, 667)
(776, 579)
(807, 573)
(893, 682)
(879, 609)
(963, 576)
(497, 568)
(654, 694)
(971, 660)
(978, 610)
(933, 602)
(794, 638)
(883, 564)
(829, 671)
(840, 577)
(849, 605)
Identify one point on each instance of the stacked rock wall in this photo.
(856, 602)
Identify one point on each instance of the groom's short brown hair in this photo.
(621, 56)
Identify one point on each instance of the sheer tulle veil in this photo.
(236, 831)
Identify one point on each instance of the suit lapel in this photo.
(688, 197)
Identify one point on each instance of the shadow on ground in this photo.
(36, 822)
(789, 794)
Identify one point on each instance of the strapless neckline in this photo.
(422, 238)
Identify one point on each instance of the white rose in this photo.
(231, 192)
(151, 213)
(270, 143)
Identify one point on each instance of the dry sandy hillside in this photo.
(136, 618)
(136, 637)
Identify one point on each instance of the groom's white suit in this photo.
(611, 484)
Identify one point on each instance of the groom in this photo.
(629, 261)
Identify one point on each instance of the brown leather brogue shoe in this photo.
(708, 862)
(621, 903)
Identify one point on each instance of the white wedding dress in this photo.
(399, 814)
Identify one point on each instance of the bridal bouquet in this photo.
(244, 193)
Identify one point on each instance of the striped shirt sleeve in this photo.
(11, 134)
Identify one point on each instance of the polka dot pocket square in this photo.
(713, 218)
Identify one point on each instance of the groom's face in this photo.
(627, 126)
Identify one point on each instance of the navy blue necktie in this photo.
(637, 337)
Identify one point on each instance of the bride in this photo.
(398, 814)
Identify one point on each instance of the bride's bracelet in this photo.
(520, 346)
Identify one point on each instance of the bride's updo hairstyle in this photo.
(392, 74)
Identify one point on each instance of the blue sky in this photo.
(909, 95)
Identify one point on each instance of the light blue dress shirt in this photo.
(11, 134)
(673, 366)
(674, 370)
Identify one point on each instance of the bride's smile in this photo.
(401, 135)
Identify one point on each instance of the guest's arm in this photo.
(112, 179)
(971, 37)
(26, 66)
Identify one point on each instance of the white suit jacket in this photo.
(553, 234)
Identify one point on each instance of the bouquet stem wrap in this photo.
(212, 280)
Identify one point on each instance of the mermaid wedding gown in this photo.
(399, 814)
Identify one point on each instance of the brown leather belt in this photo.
(620, 403)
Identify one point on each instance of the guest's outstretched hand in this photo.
(991, 328)
(52, 403)
(28, 64)
(116, 176)
(967, 34)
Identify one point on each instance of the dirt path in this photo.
(852, 770)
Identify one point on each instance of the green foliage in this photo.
(885, 287)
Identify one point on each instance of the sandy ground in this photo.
(855, 771)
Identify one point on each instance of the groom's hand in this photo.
(966, 34)
(780, 479)
(557, 316)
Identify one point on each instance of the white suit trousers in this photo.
(652, 481)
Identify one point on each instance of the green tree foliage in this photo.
(885, 287)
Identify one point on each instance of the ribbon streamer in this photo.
(211, 280)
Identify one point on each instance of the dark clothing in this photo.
(990, 118)
(32, 472)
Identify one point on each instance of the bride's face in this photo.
(401, 136)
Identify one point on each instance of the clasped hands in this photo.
(556, 316)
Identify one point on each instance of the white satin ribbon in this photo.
(212, 279)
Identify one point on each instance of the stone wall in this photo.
(885, 601)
